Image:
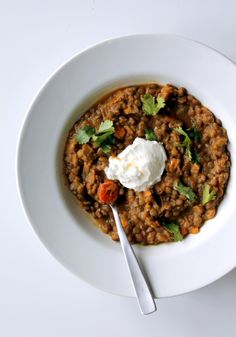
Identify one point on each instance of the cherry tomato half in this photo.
(108, 192)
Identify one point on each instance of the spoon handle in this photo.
(143, 294)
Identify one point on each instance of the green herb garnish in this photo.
(84, 134)
(102, 138)
(106, 148)
(174, 229)
(106, 144)
(99, 139)
(186, 191)
(106, 126)
(151, 105)
(150, 134)
(207, 195)
(195, 156)
(186, 142)
(194, 134)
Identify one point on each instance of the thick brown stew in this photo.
(198, 164)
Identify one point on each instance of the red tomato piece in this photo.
(108, 192)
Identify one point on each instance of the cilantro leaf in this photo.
(106, 148)
(188, 152)
(150, 134)
(106, 145)
(111, 140)
(186, 191)
(84, 134)
(174, 229)
(150, 107)
(207, 195)
(195, 157)
(106, 126)
(148, 104)
(101, 138)
(194, 134)
(186, 142)
(160, 103)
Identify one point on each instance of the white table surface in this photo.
(38, 297)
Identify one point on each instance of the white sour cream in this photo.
(139, 166)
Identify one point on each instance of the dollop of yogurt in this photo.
(139, 166)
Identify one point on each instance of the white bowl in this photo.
(67, 232)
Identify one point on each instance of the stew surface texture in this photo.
(196, 170)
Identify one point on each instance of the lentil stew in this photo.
(196, 170)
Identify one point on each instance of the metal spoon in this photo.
(143, 294)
